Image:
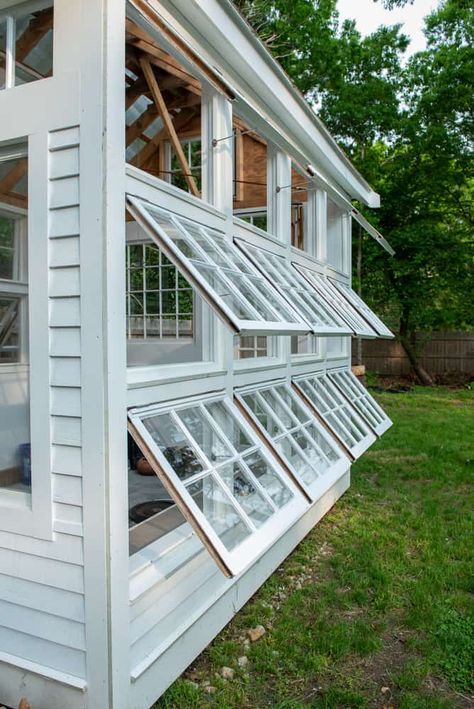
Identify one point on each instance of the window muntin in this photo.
(252, 347)
(329, 293)
(159, 299)
(218, 270)
(356, 301)
(337, 412)
(193, 152)
(237, 497)
(322, 317)
(26, 40)
(310, 453)
(367, 407)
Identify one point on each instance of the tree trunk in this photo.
(407, 338)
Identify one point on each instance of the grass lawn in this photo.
(375, 607)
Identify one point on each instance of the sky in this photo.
(369, 15)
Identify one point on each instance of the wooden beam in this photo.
(181, 120)
(14, 200)
(8, 182)
(163, 61)
(34, 33)
(170, 128)
(153, 18)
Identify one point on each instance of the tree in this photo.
(410, 131)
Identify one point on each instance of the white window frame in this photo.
(345, 310)
(340, 408)
(362, 400)
(303, 298)
(325, 479)
(8, 15)
(358, 304)
(193, 275)
(31, 513)
(231, 563)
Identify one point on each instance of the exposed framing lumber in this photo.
(14, 200)
(180, 121)
(162, 60)
(152, 17)
(168, 122)
(34, 33)
(8, 182)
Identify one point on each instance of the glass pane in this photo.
(286, 417)
(7, 248)
(34, 46)
(10, 346)
(174, 445)
(268, 479)
(295, 460)
(245, 492)
(229, 425)
(208, 440)
(267, 421)
(3, 47)
(216, 506)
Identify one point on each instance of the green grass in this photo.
(374, 608)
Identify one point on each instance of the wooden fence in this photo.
(446, 352)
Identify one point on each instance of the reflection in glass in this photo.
(231, 428)
(268, 479)
(208, 440)
(245, 492)
(174, 445)
(217, 508)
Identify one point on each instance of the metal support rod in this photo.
(228, 137)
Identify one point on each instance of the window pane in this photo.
(292, 428)
(235, 486)
(337, 411)
(7, 248)
(218, 270)
(34, 46)
(3, 48)
(174, 445)
(216, 506)
(15, 454)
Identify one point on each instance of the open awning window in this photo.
(302, 443)
(356, 301)
(343, 307)
(237, 497)
(367, 407)
(337, 412)
(317, 311)
(222, 275)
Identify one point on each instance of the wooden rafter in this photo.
(34, 33)
(162, 60)
(180, 121)
(168, 124)
(8, 182)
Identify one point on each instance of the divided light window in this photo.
(343, 307)
(337, 411)
(367, 407)
(303, 444)
(356, 301)
(317, 311)
(233, 287)
(224, 481)
(26, 43)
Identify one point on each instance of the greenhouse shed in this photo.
(177, 408)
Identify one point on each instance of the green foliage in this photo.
(409, 128)
(374, 607)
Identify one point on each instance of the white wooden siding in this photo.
(42, 581)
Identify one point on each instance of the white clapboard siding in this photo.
(42, 581)
(49, 572)
(43, 652)
(184, 604)
(53, 601)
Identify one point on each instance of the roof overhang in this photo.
(265, 96)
